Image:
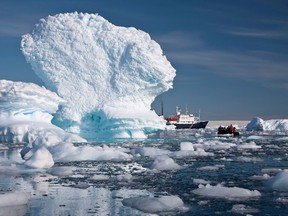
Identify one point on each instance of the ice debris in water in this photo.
(14, 198)
(108, 75)
(155, 205)
(152, 152)
(230, 193)
(164, 162)
(279, 182)
(243, 209)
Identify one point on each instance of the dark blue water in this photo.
(229, 165)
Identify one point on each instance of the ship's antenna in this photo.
(186, 109)
(162, 109)
(199, 114)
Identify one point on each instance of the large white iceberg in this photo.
(108, 75)
(269, 125)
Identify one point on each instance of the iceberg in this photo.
(269, 125)
(108, 75)
(27, 101)
(26, 113)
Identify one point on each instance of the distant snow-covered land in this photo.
(216, 124)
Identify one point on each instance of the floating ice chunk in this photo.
(69, 152)
(189, 149)
(230, 193)
(249, 159)
(282, 139)
(61, 171)
(217, 145)
(282, 200)
(260, 177)
(271, 170)
(243, 209)
(155, 205)
(150, 152)
(41, 159)
(201, 181)
(38, 154)
(186, 146)
(126, 177)
(255, 137)
(14, 198)
(211, 168)
(81, 185)
(43, 152)
(132, 167)
(250, 145)
(279, 182)
(109, 75)
(164, 163)
(99, 177)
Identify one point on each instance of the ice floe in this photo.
(230, 193)
(155, 205)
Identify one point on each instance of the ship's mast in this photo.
(178, 111)
(162, 109)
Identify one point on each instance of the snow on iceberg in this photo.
(274, 124)
(109, 75)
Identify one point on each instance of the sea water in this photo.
(99, 187)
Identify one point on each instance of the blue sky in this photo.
(231, 57)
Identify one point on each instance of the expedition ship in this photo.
(185, 121)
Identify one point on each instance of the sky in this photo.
(231, 57)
